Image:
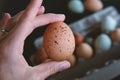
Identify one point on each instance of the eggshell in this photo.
(103, 42)
(38, 42)
(115, 35)
(108, 24)
(72, 60)
(76, 6)
(40, 56)
(84, 51)
(93, 5)
(59, 42)
(78, 38)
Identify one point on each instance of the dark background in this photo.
(54, 6)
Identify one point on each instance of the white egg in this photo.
(103, 42)
(76, 6)
(108, 24)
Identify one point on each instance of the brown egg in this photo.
(40, 56)
(72, 60)
(78, 38)
(93, 5)
(84, 51)
(59, 42)
(115, 35)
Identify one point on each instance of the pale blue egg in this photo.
(103, 42)
(108, 24)
(76, 6)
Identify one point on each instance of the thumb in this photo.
(52, 67)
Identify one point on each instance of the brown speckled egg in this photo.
(40, 56)
(59, 42)
(84, 51)
(115, 35)
(78, 38)
(72, 60)
(93, 5)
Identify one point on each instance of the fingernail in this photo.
(64, 65)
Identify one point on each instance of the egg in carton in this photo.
(90, 26)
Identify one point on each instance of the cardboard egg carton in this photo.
(104, 65)
(86, 25)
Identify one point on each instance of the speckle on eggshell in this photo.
(59, 42)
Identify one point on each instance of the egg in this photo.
(76, 6)
(40, 56)
(93, 5)
(78, 38)
(59, 41)
(115, 35)
(108, 24)
(72, 60)
(103, 42)
(38, 42)
(84, 50)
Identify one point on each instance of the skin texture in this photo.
(12, 63)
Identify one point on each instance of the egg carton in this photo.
(86, 25)
(104, 65)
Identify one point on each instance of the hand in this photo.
(12, 63)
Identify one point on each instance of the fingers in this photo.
(18, 15)
(50, 68)
(22, 32)
(32, 9)
(3, 23)
(25, 24)
(16, 18)
(11, 23)
(28, 22)
(5, 19)
(48, 18)
(41, 10)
